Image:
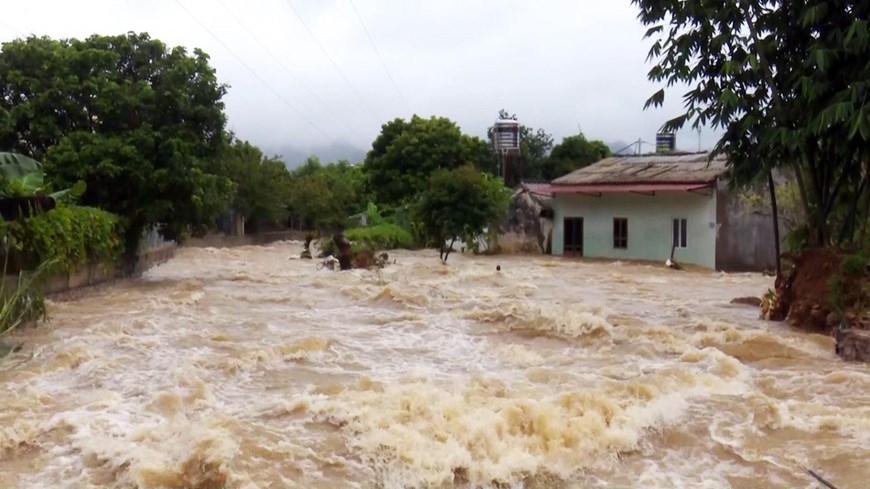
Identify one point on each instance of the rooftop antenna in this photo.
(636, 145)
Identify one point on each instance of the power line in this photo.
(334, 64)
(311, 123)
(275, 57)
(378, 53)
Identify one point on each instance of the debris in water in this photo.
(748, 301)
(821, 480)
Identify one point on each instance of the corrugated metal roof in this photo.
(652, 169)
(592, 188)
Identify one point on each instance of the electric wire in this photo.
(274, 56)
(216, 38)
(380, 58)
(331, 60)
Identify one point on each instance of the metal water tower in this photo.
(506, 141)
(666, 142)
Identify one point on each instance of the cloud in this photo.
(556, 64)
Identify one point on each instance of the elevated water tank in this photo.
(506, 135)
(666, 142)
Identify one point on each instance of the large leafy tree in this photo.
(406, 153)
(262, 185)
(325, 196)
(574, 152)
(788, 81)
(134, 119)
(460, 203)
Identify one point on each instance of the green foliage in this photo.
(460, 203)
(797, 239)
(853, 265)
(381, 237)
(788, 203)
(373, 215)
(845, 288)
(21, 176)
(324, 197)
(135, 120)
(68, 237)
(573, 153)
(788, 82)
(406, 153)
(261, 185)
(26, 303)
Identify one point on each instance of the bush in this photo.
(68, 236)
(381, 237)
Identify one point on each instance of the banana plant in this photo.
(22, 176)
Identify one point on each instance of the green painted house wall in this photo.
(650, 225)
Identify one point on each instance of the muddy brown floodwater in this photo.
(249, 368)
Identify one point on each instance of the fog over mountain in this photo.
(294, 156)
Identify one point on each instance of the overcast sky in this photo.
(304, 73)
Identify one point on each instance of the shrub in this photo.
(68, 236)
(381, 237)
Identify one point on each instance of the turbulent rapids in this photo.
(248, 368)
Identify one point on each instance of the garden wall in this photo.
(229, 241)
(66, 285)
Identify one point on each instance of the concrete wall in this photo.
(650, 225)
(66, 284)
(227, 241)
(745, 240)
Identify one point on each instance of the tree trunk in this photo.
(847, 231)
(802, 190)
(449, 249)
(865, 215)
(772, 187)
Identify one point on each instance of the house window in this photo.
(680, 228)
(620, 232)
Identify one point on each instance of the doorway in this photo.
(573, 243)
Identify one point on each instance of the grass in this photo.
(26, 303)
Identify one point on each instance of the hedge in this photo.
(69, 236)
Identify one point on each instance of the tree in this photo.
(261, 185)
(535, 146)
(788, 83)
(460, 203)
(573, 153)
(406, 153)
(135, 120)
(324, 197)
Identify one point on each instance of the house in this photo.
(646, 207)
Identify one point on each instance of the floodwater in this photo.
(249, 368)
